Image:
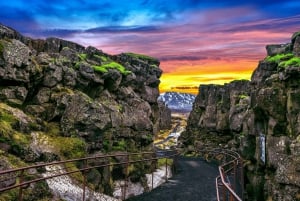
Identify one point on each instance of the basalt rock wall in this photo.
(60, 100)
(247, 116)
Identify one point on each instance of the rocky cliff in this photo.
(59, 100)
(260, 119)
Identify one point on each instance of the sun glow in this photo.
(188, 78)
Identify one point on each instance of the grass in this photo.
(111, 65)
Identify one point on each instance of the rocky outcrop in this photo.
(100, 102)
(247, 116)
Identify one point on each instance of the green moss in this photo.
(294, 61)
(69, 147)
(11, 195)
(7, 122)
(111, 65)
(82, 57)
(102, 58)
(243, 96)
(52, 129)
(21, 138)
(77, 65)
(120, 145)
(13, 161)
(279, 57)
(284, 60)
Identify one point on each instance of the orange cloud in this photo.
(188, 78)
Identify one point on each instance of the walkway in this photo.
(194, 181)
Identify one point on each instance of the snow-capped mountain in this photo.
(180, 102)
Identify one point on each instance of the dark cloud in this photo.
(21, 20)
(126, 29)
(280, 24)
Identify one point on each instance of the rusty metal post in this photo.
(231, 197)
(224, 192)
(21, 187)
(242, 177)
(234, 175)
(84, 180)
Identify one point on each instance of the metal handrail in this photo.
(22, 183)
(232, 163)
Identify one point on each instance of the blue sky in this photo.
(197, 41)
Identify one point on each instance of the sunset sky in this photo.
(197, 41)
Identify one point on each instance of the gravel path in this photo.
(194, 181)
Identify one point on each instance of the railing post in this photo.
(84, 180)
(21, 187)
(242, 177)
(126, 176)
(224, 192)
(234, 174)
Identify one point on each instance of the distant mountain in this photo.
(179, 102)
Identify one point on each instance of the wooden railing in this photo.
(21, 178)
